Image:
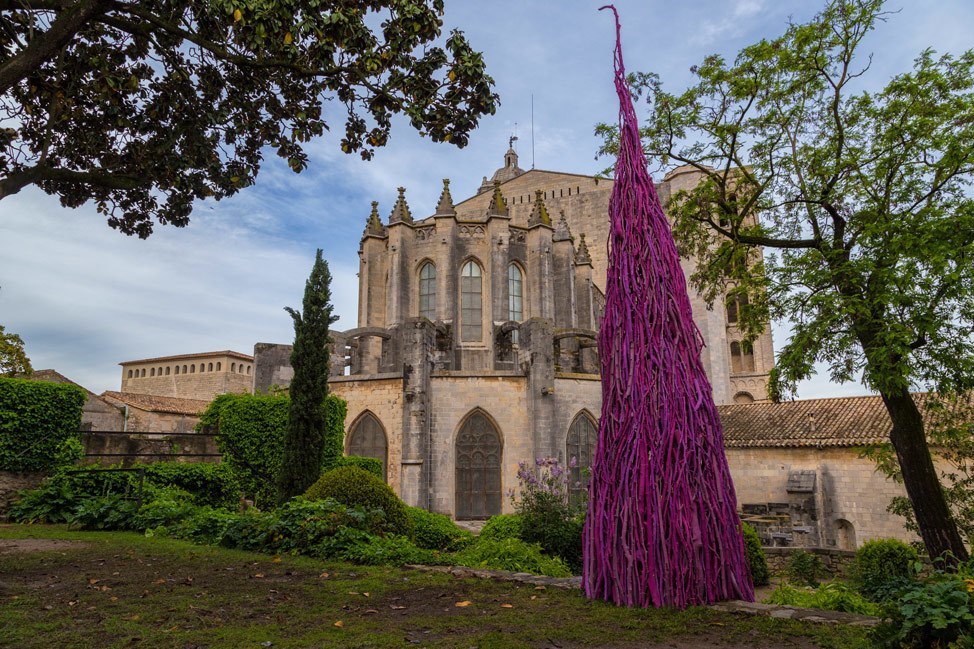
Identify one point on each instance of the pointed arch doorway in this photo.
(478, 468)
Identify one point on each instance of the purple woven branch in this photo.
(662, 526)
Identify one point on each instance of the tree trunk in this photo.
(940, 535)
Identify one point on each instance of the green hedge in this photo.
(756, 560)
(251, 429)
(213, 485)
(432, 531)
(38, 420)
(370, 464)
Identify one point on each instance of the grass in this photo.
(125, 590)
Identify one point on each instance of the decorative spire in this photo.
(562, 233)
(445, 206)
(373, 224)
(582, 258)
(400, 211)
(497, 205)
(539, 214)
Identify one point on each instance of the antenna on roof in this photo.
(532, 130)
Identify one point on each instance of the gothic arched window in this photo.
(471, 303)
(427, 291)
(515, 292)
(368, 439)
(580, 448)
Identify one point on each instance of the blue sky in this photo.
(85, 297)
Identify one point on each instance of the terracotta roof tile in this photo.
(843, 421)
(152, 403)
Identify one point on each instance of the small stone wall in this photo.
(128, 448)
(837, 562)
(11, 483)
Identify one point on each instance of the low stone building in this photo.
(189, 376)
(800, 476)
(147, 413)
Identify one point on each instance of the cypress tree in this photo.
(307, 418)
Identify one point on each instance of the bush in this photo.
(370, 464)
(831, 596)
(37, 420)
(513, 555)
(354, 487)
(547, 515)
(932, 613)
(215, 485)
(502, 526)
(250, 435)
(756, 560)
(881, 561)
(433, 531)
(804, 568)
(390, 550)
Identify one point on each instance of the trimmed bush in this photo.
(513, 555)
(355, 487)
(370, 464)
(39, 424)
(433, 531)
(502, 526)
(756, 560)
(250, 434)
(883, 560)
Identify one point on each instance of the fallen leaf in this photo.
(159, 582)
(534, 597)
(397, 608)
(93, 581)
(276, 559)
(352, 592)
(540, 588)
(135, 618)
(366, 594)
(259, 575)
(339, 624)
(370, 610)
(323, 575)
(465, 602)
(507, 606)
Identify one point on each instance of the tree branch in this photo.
(17, 180)
(44, 44)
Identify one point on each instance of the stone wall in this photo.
(128, 448)
(11, 483)
(382, 396)
(837, 562)
(850, 496)
(145, 421)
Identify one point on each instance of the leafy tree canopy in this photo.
(846, 213)
(144, 106)
(13, 358)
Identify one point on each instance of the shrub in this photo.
(513, 555)
(502, 526)
(112, 512)
(215, 485)
(37, 418)
(756, 560)
(804, 568)
(880, 561)
(547, 515)
(831, 596)
(370, 464)
(250, 435)
(354, 487)
(433, 531)
(392, 550)
(932, 613)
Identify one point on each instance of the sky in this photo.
(85, 297)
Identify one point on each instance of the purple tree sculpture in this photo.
(662, 526)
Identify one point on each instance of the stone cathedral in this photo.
(476, 341)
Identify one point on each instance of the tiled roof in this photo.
(843, 421)
(179, 357)
(152, 403)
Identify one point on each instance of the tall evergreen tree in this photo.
(305, 438)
